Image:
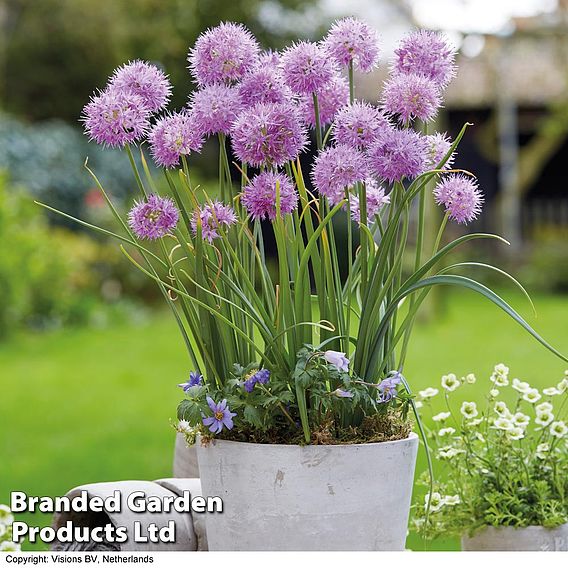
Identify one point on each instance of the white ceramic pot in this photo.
(523, 539)
(285, 497)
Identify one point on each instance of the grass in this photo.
(80, 406)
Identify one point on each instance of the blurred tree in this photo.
(56, 52)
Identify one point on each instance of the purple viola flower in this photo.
(115, 118)
(337, 359)
(268, 134)
(213, 216)
(223, 54)
(259, 195)
(461, 197)
(438, 146)
(214, 109)
(145, 80)
(195, 379)
(173, 136)
(154, 218)
(222, 416)
(331, 97)
(351, 40)
(376, 200)
(388, 387)
(306, 67)
(411, 96)
(339, 393)
(359, 125)
(426, 53)
(262, 376)
(263, 85)
(337, 168)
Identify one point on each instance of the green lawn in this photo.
(80, 406)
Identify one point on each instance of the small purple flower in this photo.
(426, 53)
(259, 195)
(337, 359)
(399, 154)
(223, 54)
(268, 134)
(114, 118)
(213, 216)
(306, 67)
(359, 125)
(438, 146)
(376, 200)
(222, 416)
(173, 136)
(145, 80)
(351, 40)
(388, 387)
(461, 197)
(261, 377)
(195, 379)
(263, 85)
(411, 96)
(154, 218)
(331, 97)
(339, 393)
(214, 109)
(336, 169)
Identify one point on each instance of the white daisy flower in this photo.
(500, 375)
(521, 386)
(469, 410)
(434, 500)
(184, 427)
(446, 431)
(450, 382)
(544, 407)
(521, 420)
(452, 500)
(494, 393)
(558, 429)
(449, 452)
(470, 379)
(9, 546)
(418, 404)
(6, 517)
(562, 386)
(515, 433)
(544, 418)
(501, 408)
(475, 422)
(551, 391)
(441, 417)
(532, 396)
(542, 451)
(428, 393)
(502, 423)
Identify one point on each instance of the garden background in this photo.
(89, 361)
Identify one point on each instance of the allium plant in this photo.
(301, 354)
(499, 462)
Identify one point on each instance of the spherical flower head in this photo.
(268, 58)
(222, 416)
(331, 97)
(306, 67)
(223, 54)
(359, 125)
(426, 53)
(352, 41)
(115, 118)
(398, 154)
(438, 146)
(376, 200)
(214, 109)
(263, 85)
(213, 216)
(146, 81)
(460, 196)
(268, 134)
(154, 218)
(411, 96)
(337, 168)
(259, 195)
(174, 136)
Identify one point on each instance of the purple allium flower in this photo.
(268, 58)
(337, 168)
(339, 393)
(398, 154)
(195, 380)
(306, 67)
(259, 195)
(359, 125)
(213, 215)
(350, 39)
(114, 118)
(460, 196)
(223, 54)
(376, 200)
(268, 134)
(337, 359)
(262, 376)
(331, 97)
(222, 416)
(214, 108)
(145, 80)
(154, 218)
(426, 53)
(438, 146)
(173, 136)
(263, 85)
(388, 387)
(411, 96)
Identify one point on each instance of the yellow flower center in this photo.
(219, 415)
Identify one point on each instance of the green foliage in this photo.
(546, 267)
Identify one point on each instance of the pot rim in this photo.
(215, 441)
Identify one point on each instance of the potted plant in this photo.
(296, 390)
(502, 481)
